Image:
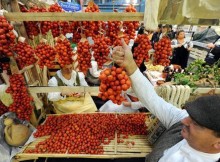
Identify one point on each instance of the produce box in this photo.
(91, 135)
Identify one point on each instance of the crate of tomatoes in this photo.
(90, 135)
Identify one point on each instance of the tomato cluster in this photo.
(92, 27)
(7, 37)
(113, 82)
(64, 52)
(25, 54)
(3, 108)
(33, 27)
(21, 100)
(117, 41)
(101, 49)
(163, 51)
(86, 133)
(46, 55)
(84, 56)
(113, 30)
(141, 51)
(130, 26)
(54, 26)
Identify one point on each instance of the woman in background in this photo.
(181, 49)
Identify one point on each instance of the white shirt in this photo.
(186, 44)
(109, 106)
(168, 115)
(55, 96)
(94, 69)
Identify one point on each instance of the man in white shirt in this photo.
(196, 128)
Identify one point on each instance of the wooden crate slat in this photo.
(64, 16)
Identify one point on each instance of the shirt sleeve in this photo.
(54, 96)
(164, 111)
(94, 70)
(191, 44)
(82, 79)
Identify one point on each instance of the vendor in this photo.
(70, 102)
(66, 77)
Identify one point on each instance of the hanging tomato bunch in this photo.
(141, 51)
(25, 54)
(64, 51)
(113, 82)
(33, 27)
(86, 133)
(53, 26)
(46, 55)
(21, 100)
(92, 27)
(113, 28)
(121, 35)
(130, 26)
(101, 49)
(3, 108)
(163, 51)
(84, 56)
(7, 37)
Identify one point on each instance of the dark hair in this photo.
(159, 25)
(178, 32)
(170, 26)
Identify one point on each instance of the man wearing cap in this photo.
(192, 134)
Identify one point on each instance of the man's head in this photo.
(67, 69)
(165, 28)
(202, 127)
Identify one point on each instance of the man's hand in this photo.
(126, 104)
(71, 94)
(124, 58)
(210, 45)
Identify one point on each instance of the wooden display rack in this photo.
(112, 150)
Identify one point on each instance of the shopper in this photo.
(181, 49)
(171, 33)
(192, 135)
(156, 35)
(215, 50)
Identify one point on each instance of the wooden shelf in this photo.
(63, 16)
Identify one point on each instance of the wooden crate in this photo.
(113, 150)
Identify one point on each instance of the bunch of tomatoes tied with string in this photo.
(91, 28)
(24, 54)
(141, 51)
(163, 51)
(46, 55)
(130, 26)
(113, 81)
(84, 55)
(64, 51)
(101, 49)
(21, 99)
(7, 37)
